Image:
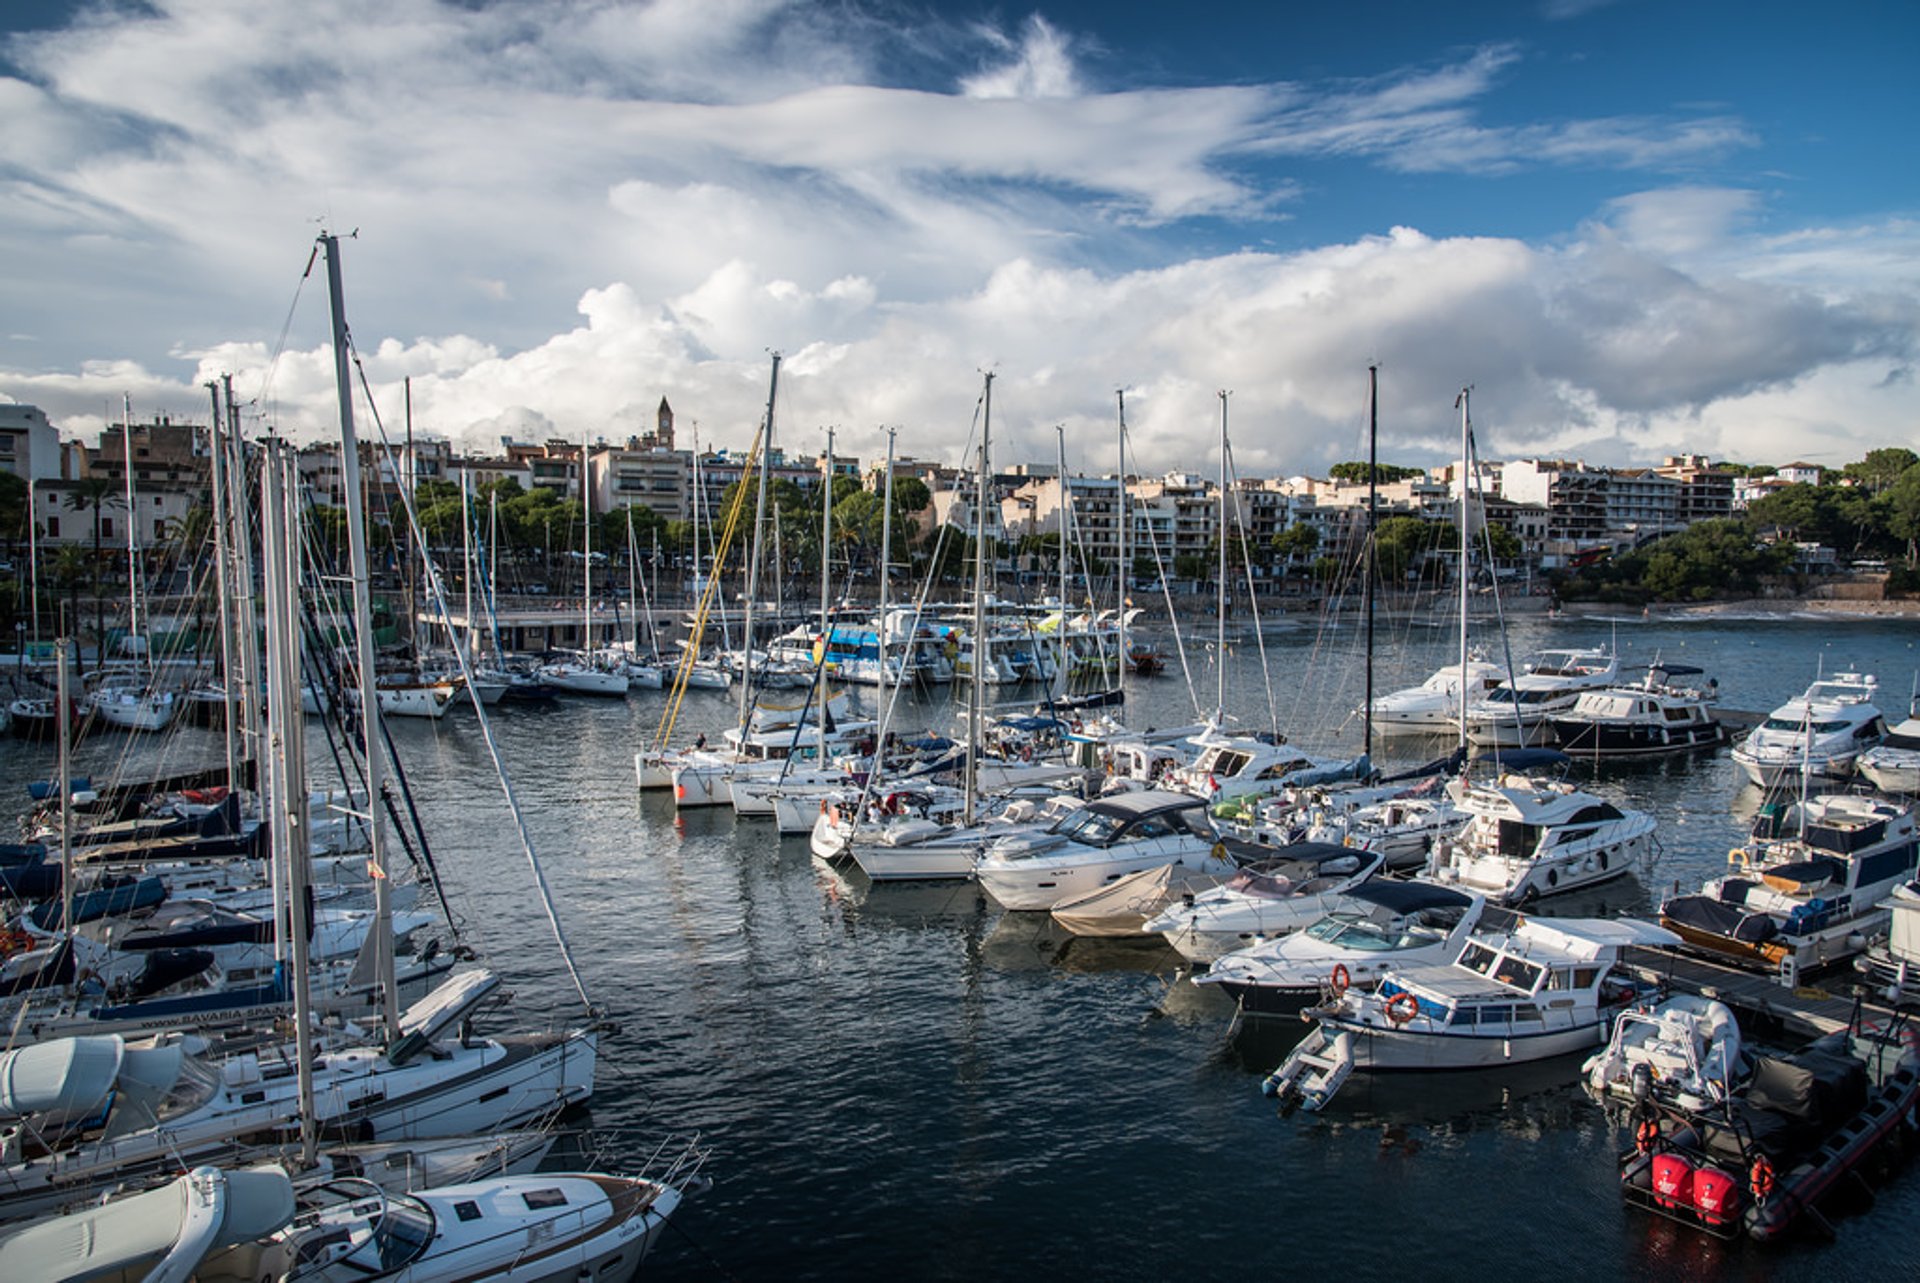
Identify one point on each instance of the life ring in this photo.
(1026, 752)
(1645, 1135)
(1402, 1007)
(1340, 979)
(1760, 1179)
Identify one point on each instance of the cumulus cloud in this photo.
(573, 209)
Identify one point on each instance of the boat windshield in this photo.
(404, 1232)
(1796, 724)
(1089, 826)
(1349, 931)
(1501, 967)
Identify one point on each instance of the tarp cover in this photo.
(1725, 920)
(1821, 1088)
(65, 1076)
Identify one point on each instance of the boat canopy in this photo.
(201, 1212)
(1407, 897)
(65, 1076)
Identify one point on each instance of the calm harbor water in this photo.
(906, 1081)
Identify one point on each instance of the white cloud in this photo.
(572, 209)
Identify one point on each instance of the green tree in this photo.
(1881, 468)
(1355, 473)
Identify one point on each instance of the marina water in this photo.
(905, 1081)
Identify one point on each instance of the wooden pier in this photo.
(1807, 1011)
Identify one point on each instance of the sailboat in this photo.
(581, 676)
(132, 704)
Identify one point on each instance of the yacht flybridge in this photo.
(1519, 713)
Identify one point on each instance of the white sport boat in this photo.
(1808, 888)
(1244, 765)
(132, 708)
(1100, 842)
(1893, 765)
(1682, 1051)
(1818, 735)
(1277, 891)
(1518, 713)
(1433, 707)
(1526, 838)
(1381, 924)
(1546, 988)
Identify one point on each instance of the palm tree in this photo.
(92, 493)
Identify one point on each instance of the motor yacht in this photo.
(1373, 927)
(1100, 842)
(1277, 891)
(1433, 707)
(1818, 735)
(1659, 715)
(1526, 837)
(1545, 988)
(1519, 712)
(1807, 888)
(1893, 765)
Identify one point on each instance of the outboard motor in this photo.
(1673, 1182)
(1716, 1196)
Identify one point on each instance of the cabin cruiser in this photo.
(1277, 891)
(1526, 837)
(1518, 713)
(1683, 1050)
(1806, 889)
(1893, 765)
(1433, 707)
(1373, 927)
(1544, 988)
(1652, 717)
(1893, 966)
(916, 831)
(1819, 734)
(1100, 842)
(1236, 766)
(704, 777)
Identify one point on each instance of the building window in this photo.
(159, 530)
(106, 527)
(53, 527)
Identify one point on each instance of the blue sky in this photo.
(1636, 228)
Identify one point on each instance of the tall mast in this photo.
(1466, 480)
(240, 533)
(472, 639)
(976, 713)
(33, 562)
(1220, 599)
(1060, 442)
(826, 602)
(63, 726)
(363, 633)
(222, 580)
(1373, 553)
(753, 553)
(886, 552)
(133, 551)
(586, 561)
(1120, 395)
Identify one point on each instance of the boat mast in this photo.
(471, 641)
(363, 616)
(1121, 396)
(586, 560)
(826, 602)
(753, 554)
(1060, 440)
(976, 713)
(222, 578)
(287, 800)
(63, 726)
(1466, 480)
(133, 551)
(886, 552)
(240, 539)
(1373, 552)
(1220, 599)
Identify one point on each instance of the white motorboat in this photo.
(1682, 1051)
(1893, 765)
(1526, 838)
(1656, 716)
(1277, 891)
(1893, 966)
(1122, 909)
(1100, 842)
(1433, 707)
(1380, 924)
(1245, 765)
(1546, 988)
(704, 777)
(1807, 889)
(1819, 735)
(1518, 713)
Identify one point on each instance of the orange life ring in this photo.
(1402, 1007)
(1026, 752)
(1760, 1179)
(1341, 979)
